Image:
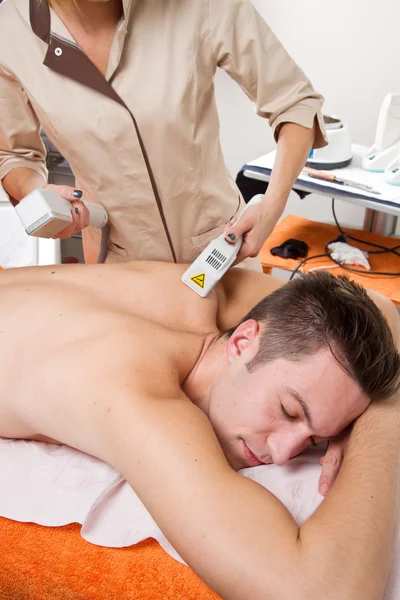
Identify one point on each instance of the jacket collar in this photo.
(63, 56)
(39, 14)
(40, 17)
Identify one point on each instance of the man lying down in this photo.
(177, 393)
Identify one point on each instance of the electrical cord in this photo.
(351, 237)
(105, 234)
(382, 250)
(302, 262)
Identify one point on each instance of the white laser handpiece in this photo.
(44, 213)
(208, 268)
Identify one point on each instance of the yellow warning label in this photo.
(199, 279)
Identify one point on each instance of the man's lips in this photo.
(250, 457)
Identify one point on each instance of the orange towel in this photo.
(56, 563)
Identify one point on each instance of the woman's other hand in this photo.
(79, 212)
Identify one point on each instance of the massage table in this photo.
(71, 528)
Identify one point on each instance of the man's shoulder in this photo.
(239, 291)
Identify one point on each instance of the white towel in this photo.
(66, 486)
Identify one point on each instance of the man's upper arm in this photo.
(389, 311)
(236, 535)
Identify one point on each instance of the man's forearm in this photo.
(348, 544)
(293, 147)
(21, 181)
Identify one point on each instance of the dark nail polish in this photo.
(76, 210)
(77, 194)
(232, 236)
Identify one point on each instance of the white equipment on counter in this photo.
(337, 154)
(386, 148)
(392, 172)
(210, 266)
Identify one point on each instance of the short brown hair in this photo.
(319, 310)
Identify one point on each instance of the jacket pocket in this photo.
(200, 241)
(117, 250)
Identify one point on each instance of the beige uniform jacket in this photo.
(144, 140)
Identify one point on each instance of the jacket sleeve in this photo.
(20, 141)
(247, 49)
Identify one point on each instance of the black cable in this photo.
(301, 263)
(383, 250)
(351, 237)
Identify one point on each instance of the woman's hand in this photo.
(256, 224)
(332, 461)
(80, 213)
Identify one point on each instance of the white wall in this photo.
(350, 49)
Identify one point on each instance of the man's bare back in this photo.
(75, 335)
(120, 361)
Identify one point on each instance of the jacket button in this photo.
(58, 51)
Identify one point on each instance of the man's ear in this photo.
(244, 341)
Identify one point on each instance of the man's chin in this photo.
(237, 463)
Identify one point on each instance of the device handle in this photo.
(98, 215)
(252, 202)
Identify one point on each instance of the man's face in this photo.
(275, 412)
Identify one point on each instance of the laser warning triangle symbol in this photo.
(199, 279)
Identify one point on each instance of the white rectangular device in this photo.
(44, 213)
(210, 266)
(387, 139)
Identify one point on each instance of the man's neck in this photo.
(90, 16)
(211, 362)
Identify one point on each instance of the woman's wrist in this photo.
(273, 204)
(21, 181)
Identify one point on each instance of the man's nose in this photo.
(284, 446)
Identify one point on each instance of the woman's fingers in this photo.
(79, 211)
(82, 215)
